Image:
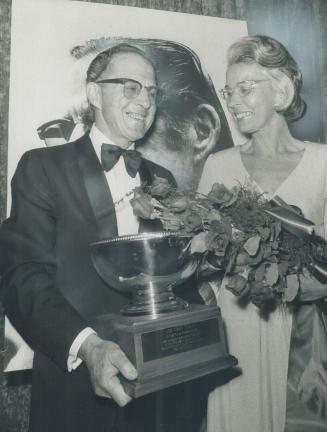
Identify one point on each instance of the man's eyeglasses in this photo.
(243, 88)
(133, 88)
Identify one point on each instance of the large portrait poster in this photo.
(52, 44)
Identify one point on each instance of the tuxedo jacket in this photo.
(50, 288)
(51, 291)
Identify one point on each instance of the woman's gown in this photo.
(255, 401)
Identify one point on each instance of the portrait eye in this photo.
(153, 92)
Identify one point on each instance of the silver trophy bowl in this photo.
(147, 265)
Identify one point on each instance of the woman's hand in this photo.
(310, 288)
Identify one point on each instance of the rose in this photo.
(262, 296)
(142, 206)
(221, 233)
(179, 204)
(192, 221)
(170, 222)
(251, 220)
(160, 187)
(219, 194)
(219, 244)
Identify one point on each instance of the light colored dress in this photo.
(255, 401)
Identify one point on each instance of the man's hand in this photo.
(104, 360)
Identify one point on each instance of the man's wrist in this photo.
(89, 344)
(74, 360)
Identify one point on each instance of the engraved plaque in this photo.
(178, 339)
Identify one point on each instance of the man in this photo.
(49, 287)
(190, 122)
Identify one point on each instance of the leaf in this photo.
(242, 259)
(252, 245)
(230, 202)
(199, 243)
(238, 235)
(292, 287)
(264, 233)
(266, 251)
(231, 259)
(207, 293)
(214, 215)
(275, 231)
(236, 284)
(260, 273)
(272, 274)
(282, 268)
(255, 260)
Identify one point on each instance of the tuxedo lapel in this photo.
(97, 189)
(146, 174)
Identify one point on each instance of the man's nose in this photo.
(144, 98)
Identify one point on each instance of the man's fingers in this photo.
(105, 361)
(116, 391)
(121, 362)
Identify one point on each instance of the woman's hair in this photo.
(272, 55)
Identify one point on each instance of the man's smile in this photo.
(136, 116)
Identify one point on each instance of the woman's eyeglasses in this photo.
(133, 88)
(243, 88)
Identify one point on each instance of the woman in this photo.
(262, 92)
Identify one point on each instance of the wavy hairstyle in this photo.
(272, 55)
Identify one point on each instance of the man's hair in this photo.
(180, 75)
(103, 59)
(272, 55)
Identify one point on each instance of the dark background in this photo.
(301, 25)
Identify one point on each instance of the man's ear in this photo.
(94, 95)
(207, 128)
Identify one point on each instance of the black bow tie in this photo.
(110, 155)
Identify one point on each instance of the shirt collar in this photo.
(98, 138)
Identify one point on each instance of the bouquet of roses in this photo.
(263, 249)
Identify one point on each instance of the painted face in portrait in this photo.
(250, 96)
(125, 110)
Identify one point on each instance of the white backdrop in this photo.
(41, 68)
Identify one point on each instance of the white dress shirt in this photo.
(121, 185)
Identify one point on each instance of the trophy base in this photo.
(139, 387)
(170, 349)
